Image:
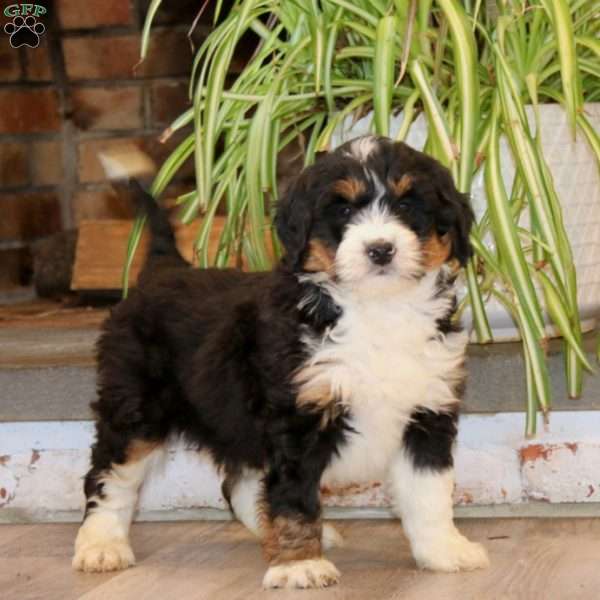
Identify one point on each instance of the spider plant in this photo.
(470, 67)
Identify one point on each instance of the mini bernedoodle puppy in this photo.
(341, 365)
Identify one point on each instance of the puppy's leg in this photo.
(111, 489)
(292, 545)
(422, 477)
(291, 519)
(244, 493)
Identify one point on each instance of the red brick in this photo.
(15, 267)
(169, 100)
(29, 215)
(169, 54)
(102, 204)
(116, 56)
(13, 164)
(101, 57)
(108, 108)
(183, 12)
(29, 111)
(75, 14)
(10, 68)
(39, 66)
(46, 162)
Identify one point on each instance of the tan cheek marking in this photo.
(436, 251)
(320, 258)
(402, 185)
(139, 449)
(351, 189)
(289, 539)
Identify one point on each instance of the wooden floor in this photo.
(531, 560)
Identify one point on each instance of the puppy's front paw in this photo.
(314, 573)
(112, 555)
(331, 537)
(450, 553)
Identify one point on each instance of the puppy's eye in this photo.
(407, 202)
(343, 209)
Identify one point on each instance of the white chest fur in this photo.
(383, 359)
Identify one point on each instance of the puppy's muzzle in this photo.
(380, 252)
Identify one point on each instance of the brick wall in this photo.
(74, 95)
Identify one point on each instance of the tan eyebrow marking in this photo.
(351, 188)
(436, 250)
(402, 185)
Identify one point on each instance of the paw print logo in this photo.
(24, 31)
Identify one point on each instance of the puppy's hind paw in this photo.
(302, 574)
(452, 553)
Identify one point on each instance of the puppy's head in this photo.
(373, 209)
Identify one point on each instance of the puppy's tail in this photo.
(124, 163)
(162, 236)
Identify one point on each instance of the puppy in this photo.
(341, 365)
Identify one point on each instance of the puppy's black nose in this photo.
(381, 253)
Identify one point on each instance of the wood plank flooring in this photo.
(532, 559)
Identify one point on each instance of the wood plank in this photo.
(550, 559)
(102, 248)
(10, 533)
(191, 574)
(50, 315)
(37, 565)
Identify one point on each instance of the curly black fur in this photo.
(209, 354)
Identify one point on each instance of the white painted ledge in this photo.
(42, 465)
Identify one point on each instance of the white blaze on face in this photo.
(362, 147)
(376, 224)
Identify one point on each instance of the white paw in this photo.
(451, 553)
(314, 573)
(112, 555)
(331, 537)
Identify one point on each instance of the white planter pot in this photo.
(577, 181)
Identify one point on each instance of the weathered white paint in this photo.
(576, 463)
(42, 465)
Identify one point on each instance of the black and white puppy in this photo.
(340, 365)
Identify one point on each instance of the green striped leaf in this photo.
(560, 315)
(563, 30)
(506, 237)
(435, 113)
(385, 53)
(465, 63)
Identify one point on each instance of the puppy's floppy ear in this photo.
(455, 220)
(453, 216)
(293, 222)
